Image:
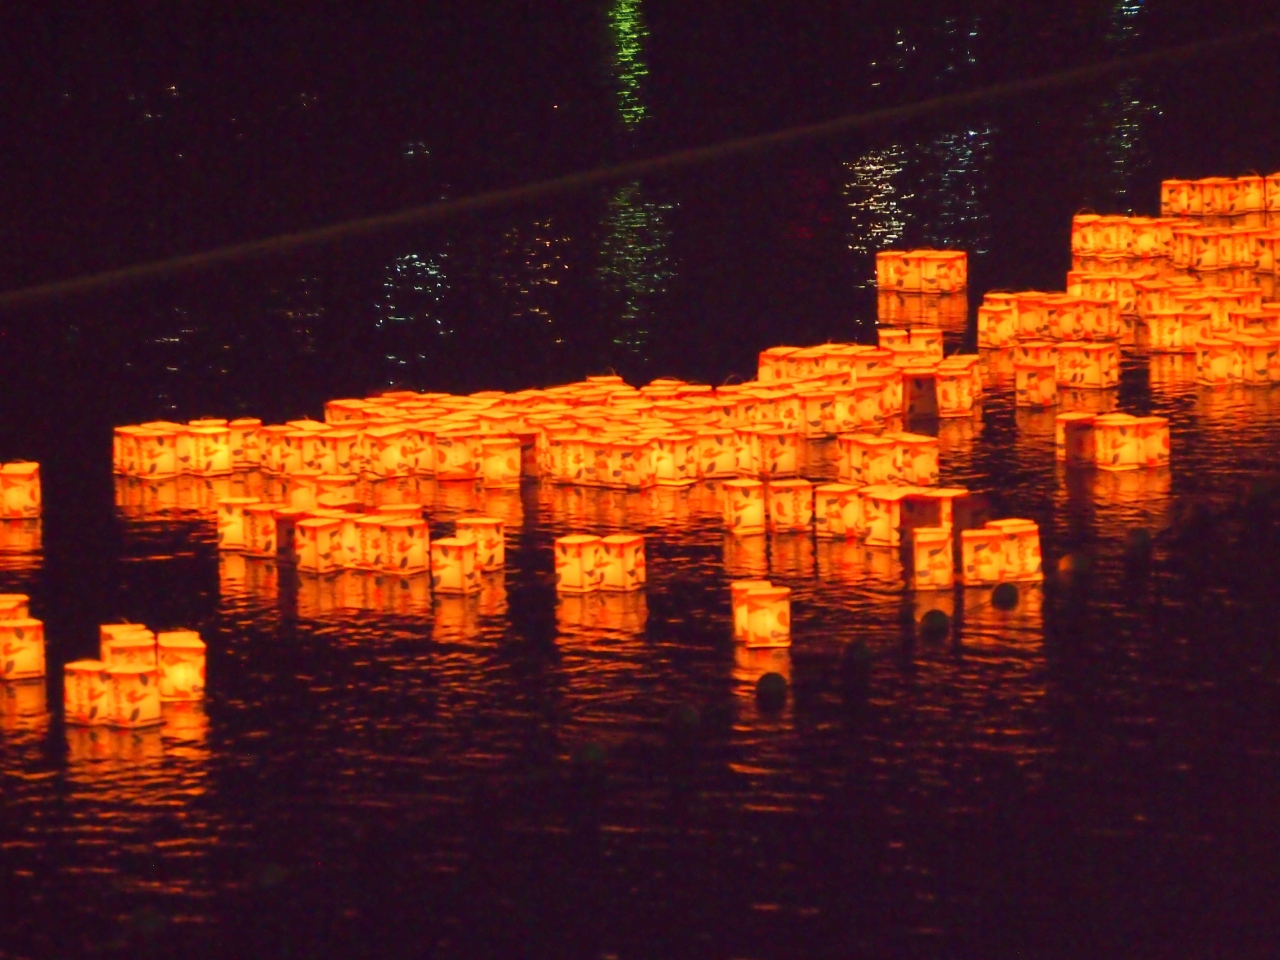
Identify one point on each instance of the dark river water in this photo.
(379, 773)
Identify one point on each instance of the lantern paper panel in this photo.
(231, 522)
(22, 653)
(768, 617)
(181, 661)
(981, 556)
(838, 511)
(915, 459)
(624, 562)
(501, 463)
(1020, 545)
(738, 591)
(133, 696)
(744, 506)
(1035, 385)
(84, 692)
(933, 565)
(790, 504)
(318, 544)
(15, 606)
(453, 566)
(405, 546)
(1118, 442)
(882, 510)
(129, 648)
(1074, 439)
(490, 538)
(19, 491)
(579, 563)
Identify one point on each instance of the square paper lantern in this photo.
(715, 453)
(981, 556)
(954, 390)
(1117, 443)
(21, 649)
(624, 561)
(1101, 367)
(817, 412)
(15, 606)
(882, 508)
(453, 566)
(744, 506)
(920, 391)
(916, 460)
(19, 491)
(405, 546)
(180, 655)
(997, 325)
(260, 530)
(133, 696)
(318, 544)
(872, 459)
(933, 563)
(769, 617)
(84, 692)
(779, 452)
(1021, 549)
(790, 504)
(1036, 386)
(156, 453)
(675, 459)
(459, 455)
(131, 646)
(1153, 438)
(579, 563)
(246, 450)
(500, 461)
(211, 450)
(837, 510)
(231, 521)
(738, 591)
(489, 533)
(1073, 438)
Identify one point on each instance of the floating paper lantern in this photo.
(933, 566)
(318, 544)
(500, 461)
(260, 530)
(459, 455)
(981, 556)
(744, 506)
(405, 545)
(210, 449)
(127, 645)
(916, 458)
(155, 453)
(838, 511)
(246, 449)
(954, 389)
(997, 325)
(1035, 384)
(790, 504)
(21, 649)
(920, 391)
(1153, 440)
(738, 591)
(180, 656)
(768, 617)
(19, 490)
(1020, 549)
(579, 563)
(1073, 438)
(882, 510)
(1117, 442)
(1214, 359)
(84, 692)
(489, 535)
(453, 566)
(133, 696)
(624, 561)
(231, 521)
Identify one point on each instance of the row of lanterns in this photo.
(922, 271)
(1220, 196)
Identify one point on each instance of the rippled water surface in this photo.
(380, 773)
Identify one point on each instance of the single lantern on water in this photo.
(21, 649)
(318, 544)
(1036, 384)
(882, 510)
(405, 545)
(1117, 442)
(1021, 549)
(981, 556)
(134, 646)
(180, 656)
(489, 535)
(19, 490)
(133, 696)
(744, 506)
(933, 566)
(768, 617)
(231, 522)
(84, 692)
(453, 566)
(738, 591)
(837, 510)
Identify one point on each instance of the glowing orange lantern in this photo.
(500, 461)
(1021, 549)
(489, 535)
(933, 566)
(180, 655)
(84, 692)
(738, 591)
(133, 696)
(744, 506)
(882, 510)
(1214, 359)
(14, 606)
(916, 458)
(319, 544)
(1117, 442)
(997, 325)
(579, 563)
(21, 648)
(453, 566)
(981, 556)
(458, 455)
(624, 562)
(1035, 384)
(1073, 438)
(768, 617)
(837, 510)
(405, 545)
(231, 521)
(1153, 437)
(790, 504)
(19, 490)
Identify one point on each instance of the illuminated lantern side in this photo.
(768, 617)
(246, 448)
(744, 506)
(260, 530)
(1213, 361)
(888, 337)
(790, 504)
(405, 544)
(738, 591)
(341, 453)
(490, 538)
(579, 563)
(231, 521)
(1100, 369)
(882, 510)
(453, 566)
(386, 452)
(370, 544)
(84, 692)
(1116, 442)
(1021, 546)
(954, 390)
(920, 391)
(1073, 438)
(457, 455)
(1153, 437)
(318, 544)
(933, 566)
(124, 450)
(1035, 385)
(837, 511)
(156, 453)
(996, 325)
(181, 658)
(624, 562)
(916, 458)
(21, 649)
(14, 606)
(635, 463)
(981, 556)
(133, 696)
(20, 489)
(715, 453)
(210, 450)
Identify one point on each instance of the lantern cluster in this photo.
(922, 271)
(1111, 441)
(585, 563)
(1252, 196)
(761, 613)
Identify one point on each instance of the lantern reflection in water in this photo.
(455, 616)
(602, 611)
(23, 706)
(746, 556)
(986, 625)
(791, 555)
